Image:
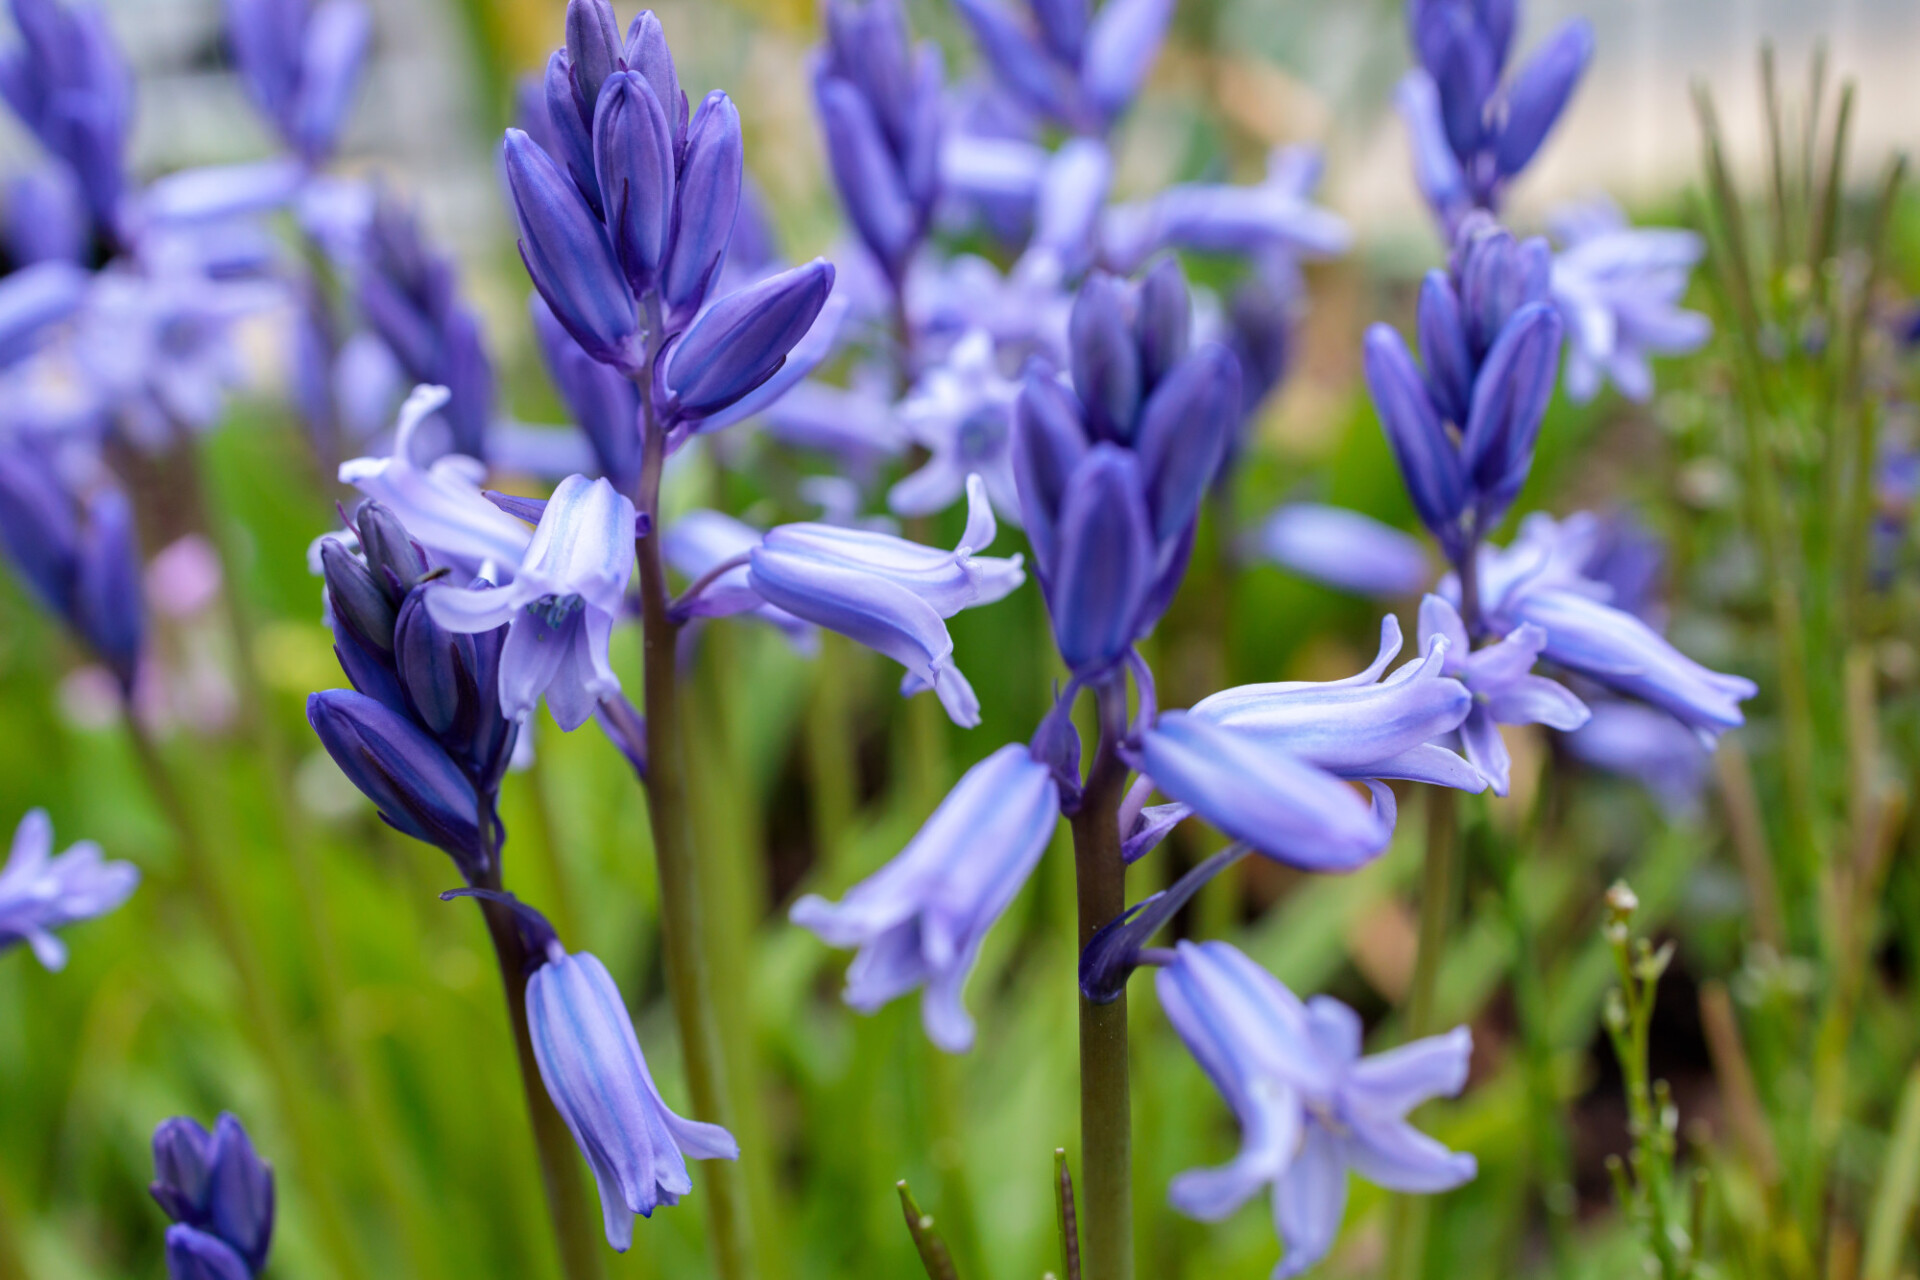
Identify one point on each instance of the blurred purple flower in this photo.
(1619, 289)
(1345, 549)
(300, 62)
(961, 413)
(41, 892)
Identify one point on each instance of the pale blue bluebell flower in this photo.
(888, 594)
(1619, 289)
(591, 1063)
(1026, 310)
(440, 501)
(41, 891)
(1346, 549)
(961, 413)
(300, 62)
(1077, 68)
(560, 606)
(1505, 690)
(220, 1195)
(1539, 579)
(919, 921)
(1275, 214)
(1310, 1107)
(70, 85)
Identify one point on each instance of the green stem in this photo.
(264, 1017)
(13, 1265)
(1106, 1121)
(689, 970)
(575, 1224)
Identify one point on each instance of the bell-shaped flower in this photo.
(1310, 1107)
(566, 251)
(1619, 289)
(560, 606)
(742, 340)
(40, 892)
(1505, 690)
(440, 503)
(591, 1063)
(961, 413)
(708, 201)
(1345, 549)
(1362, 727)
(888, 594)
(219, 1193)
(919, 921)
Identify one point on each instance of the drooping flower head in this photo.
(1310, 1107)
(40, 892)
(219, 1193)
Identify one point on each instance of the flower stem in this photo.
(264, 1017)
(576, 1228)
(1106, 1136)
(689, 973)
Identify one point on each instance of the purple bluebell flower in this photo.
(41, 892)
(1346, 549)
(634, 159)
(888, 594)
(1079, 69)
(70, 85)
(712, 169)
(1276, 214)
(440, 502)
(300, 62)
(1310, 1107)
(880, 108)
(961, 413)
(856, 424)
(410, 296)
(560, 606)
(919, 921)
(742, 340)
(79, 552)
(1619, 289)
(1505, 690)
(1538, 579)
(1473, 133)
(219, 1193)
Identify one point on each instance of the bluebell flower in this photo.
(70, 85)
(300, 62)
(712, 177)
(560, 605)
(919, 921)
(1472, 132)
(1275, 214)
(1077, 68)
(1538, 579)
(79, 552)
(1505, 690)
(40, 892)
(880, 108)
(1619, 289)
(1026, 310)
(1345, 549)
(856, 424)
(961, 412)
(1310, 1107)
(440, 501)
(1648, 746)
(888, 594)
(220, 1195)
(410, 296)
(742, 340)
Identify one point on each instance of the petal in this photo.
(1487, 749)
(1538, 700)
(1388, 1085)
(1395, 1155)
(1309, 1202)
(530, 660)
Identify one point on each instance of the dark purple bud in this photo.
(468, 375)
(1429, 461)
(593, 48)
(107, 586)
(240, 1193)
(868, 46)
(182, 1169)
(1539, 93)
(394, 558)
(368, 669)
(1064, 24)
(708, 200)
(920, 149)
(360, 605)
(1114, 953)
(1465, 73)
(1443, 347)
(1163, 321)
(1105, 361)
(410, 778)
(604, 405)
(38, 526)
(1048, 444)
(1105, 564)
(647, 53)
(1184, 432)
(633, 155)
(195, 1255)
(744, 338)
(568, 256)
(437, 673)
(571, 130)
(869, 180)
(1497, 277)
(1509, 398)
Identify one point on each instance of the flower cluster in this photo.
(219, 1193)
